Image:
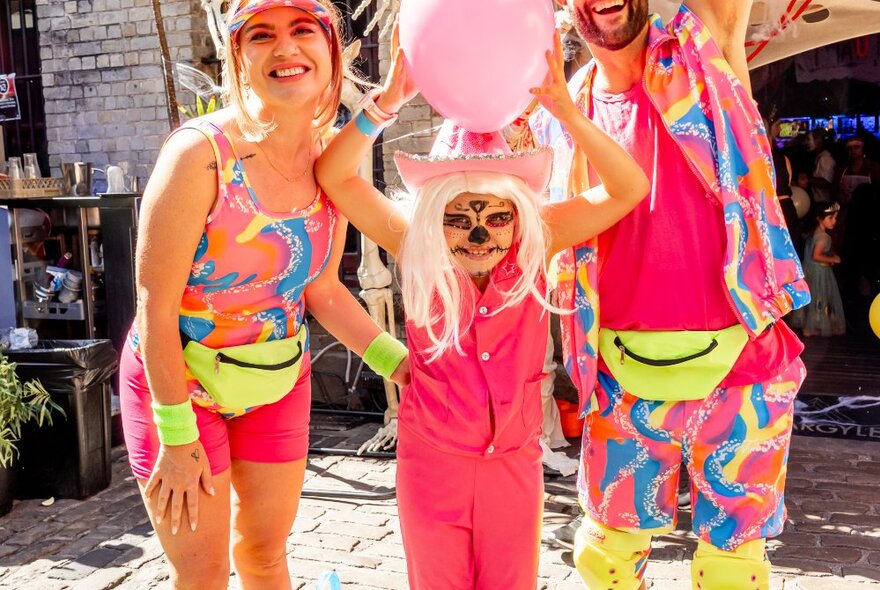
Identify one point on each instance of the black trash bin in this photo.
(71, 458)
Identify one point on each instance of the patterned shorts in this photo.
(734, 443)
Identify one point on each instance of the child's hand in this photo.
(399, 87)
(553, 95)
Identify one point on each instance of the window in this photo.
(20, 55)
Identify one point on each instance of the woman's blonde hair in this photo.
(438, 295)
(233, 88)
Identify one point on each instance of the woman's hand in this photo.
(553, 95)
(399, 87)
(401, 374)
(178, 472)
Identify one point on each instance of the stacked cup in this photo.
(71, 286)
(43, 293)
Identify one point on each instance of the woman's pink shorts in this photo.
(274, 433)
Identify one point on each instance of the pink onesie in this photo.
(469, 476)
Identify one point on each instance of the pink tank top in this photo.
(251, 265)
(250, 268)
(660, 267)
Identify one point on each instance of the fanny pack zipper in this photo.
(624, 352)
(224, 358)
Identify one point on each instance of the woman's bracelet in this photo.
(384, 354)
(366, 126)
(368, 103)
(176, 423)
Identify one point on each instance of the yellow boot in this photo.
(611, 558)
(744, 568)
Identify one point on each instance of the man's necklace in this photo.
(283, 175)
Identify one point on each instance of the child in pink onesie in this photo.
(473, 255)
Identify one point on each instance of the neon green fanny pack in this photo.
(671, 366)
(247, 375)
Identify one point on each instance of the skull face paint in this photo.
(479, 230)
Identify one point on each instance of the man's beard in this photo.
(637, 16)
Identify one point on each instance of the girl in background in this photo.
(824, 315)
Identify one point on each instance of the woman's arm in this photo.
(175, 204)
(335, 308)
(624, 183)
(337, 169)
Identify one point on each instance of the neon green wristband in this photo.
(176, 423)
(384, 354)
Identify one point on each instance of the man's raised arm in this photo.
(728, 21)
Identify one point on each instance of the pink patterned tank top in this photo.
(251, 265)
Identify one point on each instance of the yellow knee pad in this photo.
(744, 568)
(611, 558)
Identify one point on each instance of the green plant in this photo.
(200, 107)
(20, 403)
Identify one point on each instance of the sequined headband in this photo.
(249, 9)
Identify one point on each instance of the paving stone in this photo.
(835, 555)
(105, 578)
(857, 541)
(32, 552)
(357, 517)
(861, 574)
(830, 584)
(136, 557)
(360, 531)
(99, 557)
(858, 520)
(71, 571)
(81, 546)
(335, 541)
(325, 556)
(798, 566)
(304, 525)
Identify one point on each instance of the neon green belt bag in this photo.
(250, 374)
(671, 366)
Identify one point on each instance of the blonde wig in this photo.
(235, 95)
(438, 295)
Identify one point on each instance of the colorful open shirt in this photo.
(719, 129)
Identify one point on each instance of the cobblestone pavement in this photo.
(832, 540)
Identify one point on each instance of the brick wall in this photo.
(102, 76)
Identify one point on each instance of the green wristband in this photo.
(176, 423)
(384, 354)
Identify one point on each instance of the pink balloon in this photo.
(475, 60)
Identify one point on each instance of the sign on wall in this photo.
(9, 109)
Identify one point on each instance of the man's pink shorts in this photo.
(274, 433)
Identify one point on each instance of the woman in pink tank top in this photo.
(473, 257)
(236, 242)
